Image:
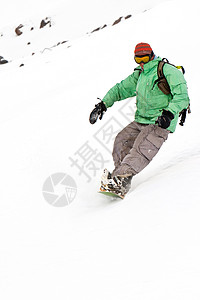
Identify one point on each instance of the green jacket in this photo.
(150, 100)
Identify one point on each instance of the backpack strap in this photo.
(182, 69)
(139, 70)
(162, 81)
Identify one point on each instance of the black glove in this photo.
(165, 119)
(98, 111)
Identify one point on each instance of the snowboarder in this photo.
(156, 116)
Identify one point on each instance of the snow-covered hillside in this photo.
(144, 247)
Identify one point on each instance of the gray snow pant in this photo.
(135, 146)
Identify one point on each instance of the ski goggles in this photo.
(142, 59)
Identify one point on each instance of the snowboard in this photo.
(111, 194)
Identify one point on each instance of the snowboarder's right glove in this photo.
(165, 119)
(98, 111)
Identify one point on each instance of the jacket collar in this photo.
(150, 65)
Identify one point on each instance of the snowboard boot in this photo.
(119, 184)
(106, 180)
(123, 183)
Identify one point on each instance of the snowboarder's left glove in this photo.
(98, 111)
(165, 119)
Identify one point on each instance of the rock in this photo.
(97, 29)
(127, 17)
(117, 21)
(17, 29)
(3, 61)
(45, 22)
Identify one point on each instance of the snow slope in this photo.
(144, 247)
